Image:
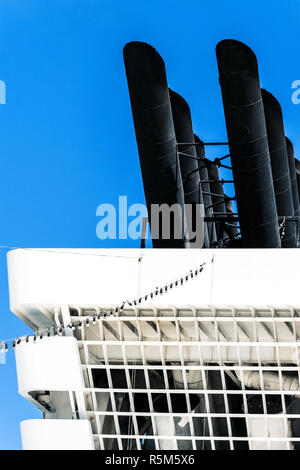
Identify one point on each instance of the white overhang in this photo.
(41, 280)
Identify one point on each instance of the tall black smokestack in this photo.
(297, 165)
(206, 191)
(218, 200)
(155, 133)
(247, 136)
(293, 176)
(189, 163)
(280, 166)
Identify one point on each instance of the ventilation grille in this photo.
(193, 379)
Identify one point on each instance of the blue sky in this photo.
(67, 140)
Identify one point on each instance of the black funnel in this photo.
(293, 176)
(155, 133)
(280, 166)
(247, 136)
(297, 165)
(205, 185)
(218, 200)
(189, 163)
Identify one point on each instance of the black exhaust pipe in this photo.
(297, 164)
(293, 176)
(247, 136)
(206, 191)
(218, 201)
(280, 166)
(189, 163)
(155, 135)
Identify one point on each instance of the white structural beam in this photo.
(58, 434)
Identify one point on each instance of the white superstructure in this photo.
(193, 368)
